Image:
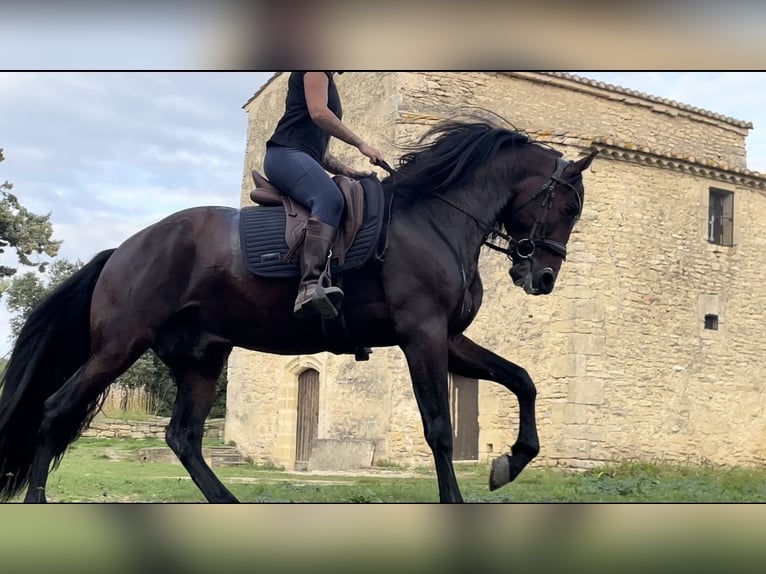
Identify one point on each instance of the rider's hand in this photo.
(375, 156)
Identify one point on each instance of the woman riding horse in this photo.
(296, 159)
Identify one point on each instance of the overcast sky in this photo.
(109, 153)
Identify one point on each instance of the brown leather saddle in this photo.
(296, 214)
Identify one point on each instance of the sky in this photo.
(108, 153)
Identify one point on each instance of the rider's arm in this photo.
(315, 86)
(335, 166)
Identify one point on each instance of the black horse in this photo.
(181, 288)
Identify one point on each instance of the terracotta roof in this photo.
(263, 87)
(713, 169)
(672, 154)
(667, 159)
(635, 93)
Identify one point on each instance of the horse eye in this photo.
(571, 211)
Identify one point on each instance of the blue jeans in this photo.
(302, 178)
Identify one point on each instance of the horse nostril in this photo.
(547, 280)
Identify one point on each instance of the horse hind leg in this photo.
(67, 411)
(196, 379)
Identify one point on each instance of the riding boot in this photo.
(317, 296)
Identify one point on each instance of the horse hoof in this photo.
(500, 473)
(35, 496)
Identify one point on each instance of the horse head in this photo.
(544, 208)
(500, 177)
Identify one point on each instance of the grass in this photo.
(108, 470)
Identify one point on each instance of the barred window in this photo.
(721, 217)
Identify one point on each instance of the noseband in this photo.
(526, 247)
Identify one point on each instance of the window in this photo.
(711, 322)
(721, 217)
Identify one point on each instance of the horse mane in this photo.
(446, 154)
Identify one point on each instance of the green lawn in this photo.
(101, 470)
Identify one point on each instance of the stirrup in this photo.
(327, 291)
(324, 302)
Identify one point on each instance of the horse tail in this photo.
(52, 345)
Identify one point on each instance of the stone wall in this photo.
(152, 427)
(623, 365)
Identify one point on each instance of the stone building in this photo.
(651, 345)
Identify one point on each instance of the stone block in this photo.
(586, 390)
(567, 366)
(586, 344)
(573, 448)
(593, 433)
(575, 414)
(340, 454)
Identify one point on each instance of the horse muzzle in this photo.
(520, 273)
(540, 282)
(543, 281)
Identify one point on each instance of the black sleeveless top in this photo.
(296, 129)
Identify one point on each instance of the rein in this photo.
(383, 164)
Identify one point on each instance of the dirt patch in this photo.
(362, 472)
(270, 480)
(119, 454)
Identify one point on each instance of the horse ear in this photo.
(583, 163)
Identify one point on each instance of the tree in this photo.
(25, 232)
(24, 292)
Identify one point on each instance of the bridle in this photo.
(522, 248)
(525, 248)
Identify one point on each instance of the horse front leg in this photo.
(196, 380)
(468, 359)
(427, 360)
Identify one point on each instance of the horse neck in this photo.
(494, 185)
(489, 189)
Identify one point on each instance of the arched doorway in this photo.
(307, 416)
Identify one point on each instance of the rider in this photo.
(296, 159)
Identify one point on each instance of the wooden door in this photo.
(308, 416)
(464, 413)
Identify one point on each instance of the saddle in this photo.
(297, 214)
(260, 230)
